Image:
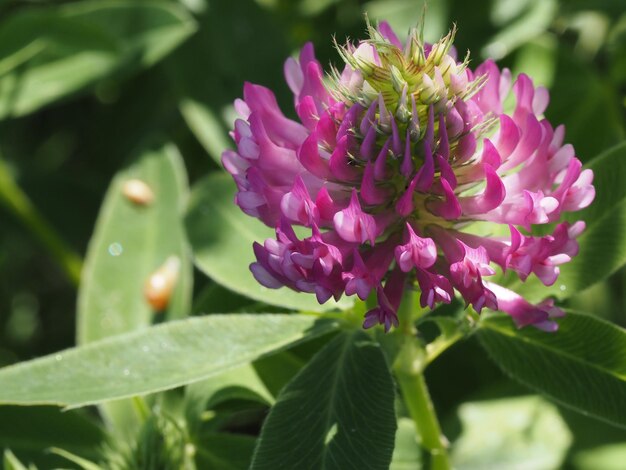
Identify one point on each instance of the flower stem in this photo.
(409, 367)
(16, 201)
(421, 410)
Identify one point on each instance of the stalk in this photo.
(409, 368)
(17, 202)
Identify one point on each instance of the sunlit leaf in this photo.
(82, 463)
(582, 366)
(128, 246)
(609, 457)
(11, 462)
(407, 454)
(532, 22)
(537, 59)
(509, 434)
(154, 359)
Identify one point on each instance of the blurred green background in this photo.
(84, 85)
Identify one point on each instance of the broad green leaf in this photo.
(221, 236)
(510, 434)
(582, 365)
(55, 51)
(603, 243)
(154, 359)
(130, 242)
(609, 457)
(224, 452)
(30, 431)
(337, 413)
(407, 454)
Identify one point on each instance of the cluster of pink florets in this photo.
(392, 162)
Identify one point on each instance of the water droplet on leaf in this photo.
(115, 249)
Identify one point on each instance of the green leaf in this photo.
(403, 15)
(130, 243)
(214, 299)
(241, 383)
(609, 170)
(127, 247)
(206, 126)
(221, 236)
(407, 454)
(84, 464)
(154, 359)
(224, 452)
(509, 434)
(11, 462)
(54, 52)
(531, 23)
(537, 59)
(337, 413)
(609, 457)
(594, 121)
(206, 98)
(278, 369)
(582, 365)
(30, 431)
(604, 238)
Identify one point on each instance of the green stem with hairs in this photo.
(17, 202)
(409, 368)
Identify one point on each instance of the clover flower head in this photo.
(392, 162)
